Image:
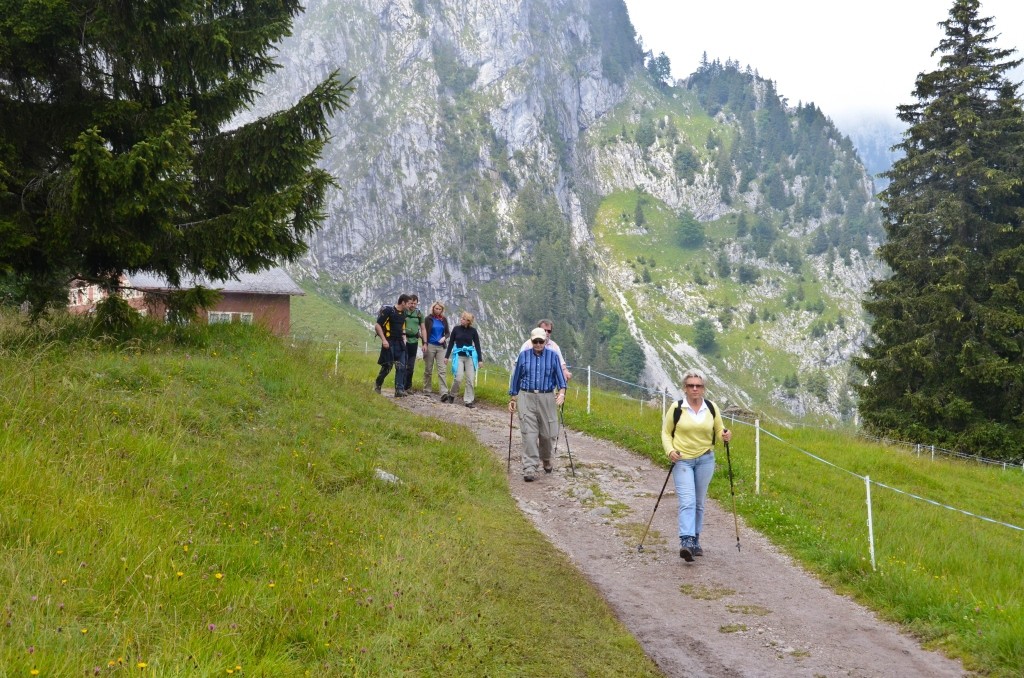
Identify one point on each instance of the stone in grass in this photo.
(387, 477)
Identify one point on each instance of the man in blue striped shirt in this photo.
(538, 385)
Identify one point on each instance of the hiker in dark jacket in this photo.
(464, 344)
(390, 327)
(689, 442)
(436, 331)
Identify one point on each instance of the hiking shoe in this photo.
(686, 548)
(696, 549)
(401, 394)
(547, 467)
(447, 398)
(528, 478)
(376, 388)
(471, 406)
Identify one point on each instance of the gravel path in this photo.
(731, 613)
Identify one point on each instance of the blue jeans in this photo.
(691, 478)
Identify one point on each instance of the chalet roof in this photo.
(271, 281)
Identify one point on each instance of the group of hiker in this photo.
(403, 329)
(537, 389)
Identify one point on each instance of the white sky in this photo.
(849, 57)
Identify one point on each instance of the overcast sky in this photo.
(848, 57)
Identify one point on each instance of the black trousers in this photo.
(392, 356)
(410, 362)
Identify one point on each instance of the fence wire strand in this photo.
(888, 487)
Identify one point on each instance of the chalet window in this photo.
(174, 318)
(215, 317)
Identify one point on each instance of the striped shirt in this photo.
(537, 372)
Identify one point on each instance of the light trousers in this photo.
(465, 373)
(433, 360)
(538, 422)
(691, 478)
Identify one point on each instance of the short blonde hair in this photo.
(437, 303)
(695, 373)
(467, 314)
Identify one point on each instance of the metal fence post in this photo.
(871, 527)
(757, 456)
(588, 389)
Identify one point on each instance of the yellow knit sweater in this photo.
(693, 435)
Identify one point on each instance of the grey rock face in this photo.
(459, 106)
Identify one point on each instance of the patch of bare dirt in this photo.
(751, 612)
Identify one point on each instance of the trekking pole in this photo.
(508, 468)
(561, 422)
(735, 520)
(640, 546)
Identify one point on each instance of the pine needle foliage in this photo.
(946, 363)
(118, 152)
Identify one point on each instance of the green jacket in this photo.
(413, 319)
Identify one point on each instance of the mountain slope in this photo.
(486, 153)
(778, 258)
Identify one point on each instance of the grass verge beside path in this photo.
(209, 503)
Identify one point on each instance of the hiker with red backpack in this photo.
(688, 433)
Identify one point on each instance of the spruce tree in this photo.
(117, 150)
(946, 361)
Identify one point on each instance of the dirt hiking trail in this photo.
(730, 613)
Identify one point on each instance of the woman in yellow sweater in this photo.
(688, 434)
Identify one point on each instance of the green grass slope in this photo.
(208, 503)
(320, 317)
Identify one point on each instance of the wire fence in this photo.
(921, 449)
(647, 396)
(758, 430)
(918, 449)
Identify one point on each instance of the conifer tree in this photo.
(117, 153)
(946, 362)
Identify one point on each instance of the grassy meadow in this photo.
(209, 502)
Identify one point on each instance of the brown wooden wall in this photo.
(273, 311)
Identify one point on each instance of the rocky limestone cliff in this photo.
(454, 98)
(462, 105)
